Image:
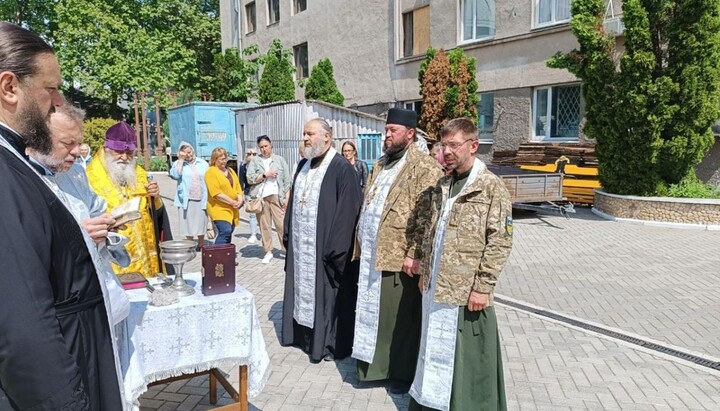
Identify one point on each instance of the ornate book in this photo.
(218, 269)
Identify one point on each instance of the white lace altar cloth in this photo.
(197, 334)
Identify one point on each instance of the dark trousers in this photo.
(224, 232)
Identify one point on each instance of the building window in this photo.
(486, 116)
(416, 31)
(299, 6)
(415, 106)
(557, 112)
(478, 19)
(250, 17)
(301, 60)
(273, 7)
(551, 11)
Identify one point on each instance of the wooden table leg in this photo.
(243, 388)
(213, 388)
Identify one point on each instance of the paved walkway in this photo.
(657, 283)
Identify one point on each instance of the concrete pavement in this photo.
(657, 283)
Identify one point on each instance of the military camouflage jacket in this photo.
(401, 223)
(478, 239)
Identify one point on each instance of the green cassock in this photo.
(478, 383)
(398, 340)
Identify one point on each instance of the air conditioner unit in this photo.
(614, 25)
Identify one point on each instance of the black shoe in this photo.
(329, 357)
(399, 387)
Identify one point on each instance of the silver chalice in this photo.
(177, 253)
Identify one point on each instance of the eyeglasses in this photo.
(453, 146)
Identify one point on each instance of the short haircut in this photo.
(72, 112)
(85, 145)
(216, 154)
(18, 50)
(323, 124)
(462, 125)
(437, 146)
(263, 137)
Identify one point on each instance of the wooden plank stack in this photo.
(581, 173)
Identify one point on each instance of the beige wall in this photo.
(362, 39)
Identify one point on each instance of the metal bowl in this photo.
(177, 251)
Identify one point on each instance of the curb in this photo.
(650, 223)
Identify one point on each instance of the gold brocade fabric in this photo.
(142, 245)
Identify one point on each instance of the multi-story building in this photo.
(376, 47)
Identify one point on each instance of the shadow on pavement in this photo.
(275, 315)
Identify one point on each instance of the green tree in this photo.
(235, 78)
(448, 87)
(651, 115)
(113, 48)
(276, 82)
(322, 85)
(36, 15)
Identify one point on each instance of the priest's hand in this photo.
(152, 189)
(477, 301)
(97, 227)
(411, 266)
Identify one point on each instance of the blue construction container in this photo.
(205, 125)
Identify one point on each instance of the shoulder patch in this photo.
(509, 225)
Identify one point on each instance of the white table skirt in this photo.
(196, 334)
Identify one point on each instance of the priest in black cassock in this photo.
(320, 282)
(55, 342)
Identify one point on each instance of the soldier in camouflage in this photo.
(388, 313)
(463, 251)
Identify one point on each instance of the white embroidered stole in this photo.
(367, 313)
(306, 198)
(432, 385)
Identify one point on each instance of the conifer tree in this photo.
(651, 114)
(276, 82)
(322, 85)
(448, 88)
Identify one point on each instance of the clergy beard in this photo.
(395, 148)
(34, 128)
(315, 150)
(121, 173)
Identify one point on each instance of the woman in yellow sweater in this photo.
(225, 196)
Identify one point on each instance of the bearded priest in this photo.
(115, 176)
(320, 282)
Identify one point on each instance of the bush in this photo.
(94, 132)
(689, 187)
(157, 163)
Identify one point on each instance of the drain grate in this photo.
(715, 365)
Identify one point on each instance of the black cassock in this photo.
(55, 344)
(336, 277)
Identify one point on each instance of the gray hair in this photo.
(18, 50)
(70, 111)
(323, 124)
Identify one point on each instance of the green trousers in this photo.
(398, 340)
(478, 383)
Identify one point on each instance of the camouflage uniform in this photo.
(402, 224)
(478, 240)
(398, 338)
